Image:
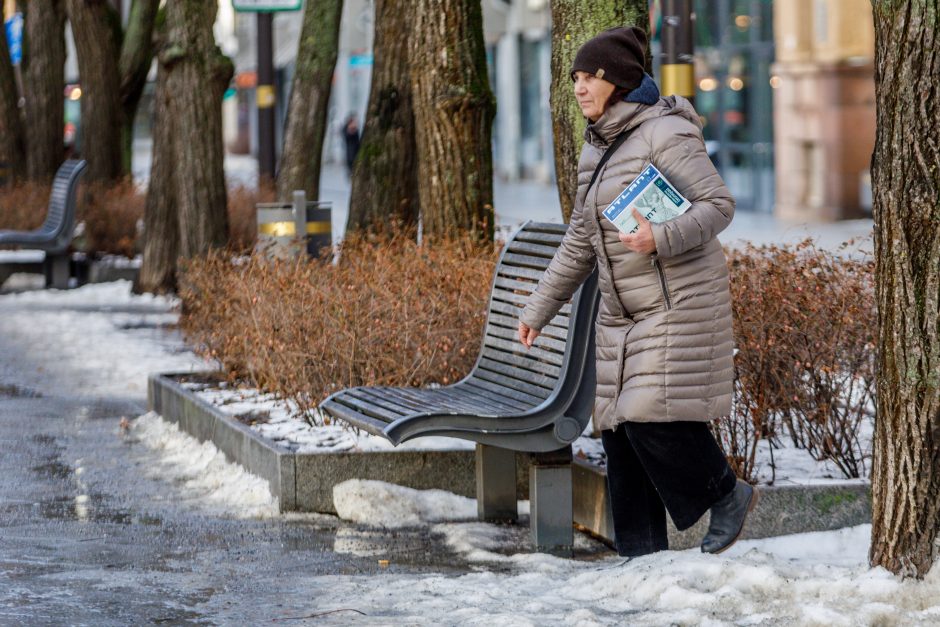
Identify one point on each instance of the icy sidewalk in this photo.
(97, 340)
(105, 341)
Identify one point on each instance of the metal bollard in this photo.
(280, 223)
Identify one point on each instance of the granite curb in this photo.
(304, 481)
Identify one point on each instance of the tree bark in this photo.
(385, 174)
(96, 29)
(197, 76)
(133, 67)
(454, 111)
(573, 23)
(161, 223)
(12, 150)
(906, 186)
(309, 99)
(44, 82)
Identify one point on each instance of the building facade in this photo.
(785, 90)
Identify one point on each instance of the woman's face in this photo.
(592, 94)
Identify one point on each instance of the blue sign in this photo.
(15, 37)
(360, 60)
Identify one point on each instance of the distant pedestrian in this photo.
(351, 137)
(663, 332)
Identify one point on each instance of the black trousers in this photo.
(653, 467)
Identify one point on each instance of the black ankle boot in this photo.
(728, 516)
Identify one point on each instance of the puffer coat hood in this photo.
(664, 341)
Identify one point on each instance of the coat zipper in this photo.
(662, 282)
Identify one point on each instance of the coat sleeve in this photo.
(679, 152)
(573, 262)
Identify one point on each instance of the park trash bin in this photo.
(285, 229)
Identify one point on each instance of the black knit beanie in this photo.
(617, 55)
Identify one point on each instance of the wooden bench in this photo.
(55, 234)
(537, 401)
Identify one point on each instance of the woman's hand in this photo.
(642, 241)
(527, 334)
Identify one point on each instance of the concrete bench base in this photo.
(304, 481)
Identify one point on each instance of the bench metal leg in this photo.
(551, 516)
(57, 271)
(496, 483)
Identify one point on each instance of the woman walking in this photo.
(663, 331)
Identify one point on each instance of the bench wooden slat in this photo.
(365, 407)
(511, 385)
(546, 227)
(516, 271)
(475, 393)
(522, 362)
(507, 370)
(534, 353)
(536, 250)
(381, 398)
(545, 343)
(508, 322)
(516, 378)
(527, 261)
(447, 400)
(495, 388)
(550, 239)
(517, 286)
(518, 301)
(357, 419)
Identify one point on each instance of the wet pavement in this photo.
(90, 535)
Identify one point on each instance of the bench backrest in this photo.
(60, 216)
(552, 370)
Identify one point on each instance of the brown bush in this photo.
(111, 217)
(390, 312)
(804, 333)
(242, 215)
(23, 206)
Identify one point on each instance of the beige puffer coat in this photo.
(664, 327)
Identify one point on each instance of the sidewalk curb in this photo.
(304, 481)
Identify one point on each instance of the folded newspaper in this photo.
(652, 196)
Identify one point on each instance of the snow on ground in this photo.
(206, 479)
(806, 579)
(277, 420)
(101, 337)
(109, 340)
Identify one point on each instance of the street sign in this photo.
(14, 27)
(266, 6)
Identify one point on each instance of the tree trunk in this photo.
(96, 29)
(197, 76)
(44, 82)
(454, 111)
(385, 174)
(12, 151)
(573, 23)
(906, 186)
(133, 67)
(161, 224)
(310, 95)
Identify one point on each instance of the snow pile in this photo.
(383, 504)
(760, 582)
(204, 476)
(276, 419)
(99, 339)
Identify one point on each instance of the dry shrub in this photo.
(242, 215)
(23, 206)
(804, 327)
(110, 218)
(390, 312)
